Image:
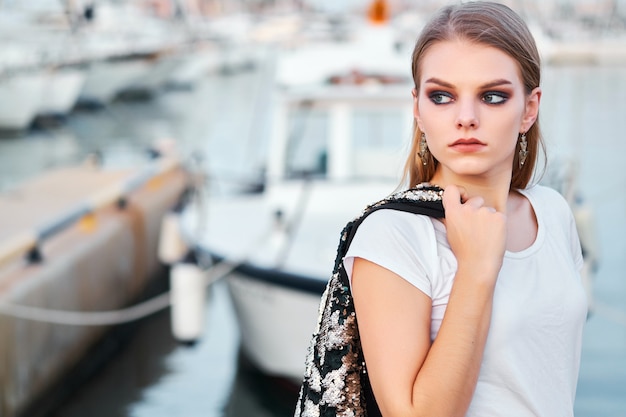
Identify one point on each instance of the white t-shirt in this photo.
(532, 355)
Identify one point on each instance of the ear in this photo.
(416, 113)
(532, 109)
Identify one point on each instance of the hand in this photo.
(476, 233)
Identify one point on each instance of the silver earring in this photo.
(523, 149)
(423, 149)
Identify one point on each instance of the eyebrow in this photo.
(490, 84)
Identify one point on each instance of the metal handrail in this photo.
(28, 242)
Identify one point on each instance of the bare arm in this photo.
(408, 375)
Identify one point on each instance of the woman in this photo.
(480, 313)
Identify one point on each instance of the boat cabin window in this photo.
(374, 147)
(379, 138)
(306, 145)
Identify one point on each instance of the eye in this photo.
(440, 97)
(494, 97)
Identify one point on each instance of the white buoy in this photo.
(188, 298)
(172, 246)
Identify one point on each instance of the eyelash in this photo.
(502, 96)
(439, 94)
(436, 97)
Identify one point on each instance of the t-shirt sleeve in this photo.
(401, 242)
(564, 213)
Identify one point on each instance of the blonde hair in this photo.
(489, 24)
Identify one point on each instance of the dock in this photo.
(76, 239)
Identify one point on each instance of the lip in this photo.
(467, 145)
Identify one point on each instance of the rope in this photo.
(95, 318)
(125, 315)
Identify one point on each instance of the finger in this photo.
(463, 193)
(451, 197)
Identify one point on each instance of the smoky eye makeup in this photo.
(495, 97)
(440, 97)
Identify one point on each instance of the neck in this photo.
(495, 191)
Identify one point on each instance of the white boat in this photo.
(334, 149)
(129, 50)
(295, 222)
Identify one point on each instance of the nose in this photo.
(467, 116)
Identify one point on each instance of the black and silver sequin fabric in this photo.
(335, 379)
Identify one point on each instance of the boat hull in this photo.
(276, 323)
(24, 92)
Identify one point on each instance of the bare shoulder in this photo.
(519, 205)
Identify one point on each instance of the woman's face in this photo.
(472, 106)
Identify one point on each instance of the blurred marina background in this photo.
(105, 80)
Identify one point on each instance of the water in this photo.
(154, 376)
(224, 119)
